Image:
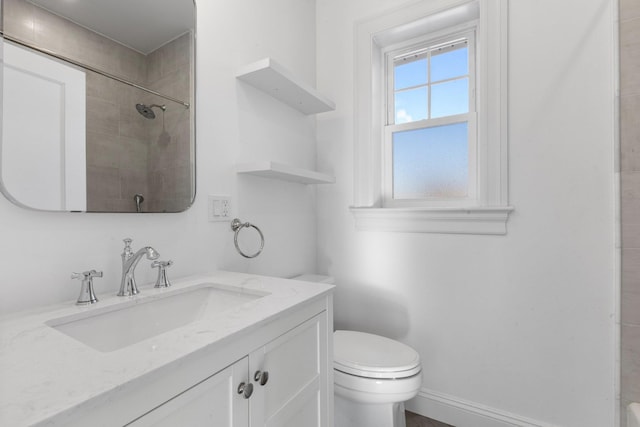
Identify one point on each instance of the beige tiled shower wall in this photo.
(117, 145)
(169, 160)
(127, 154)
(630, 186)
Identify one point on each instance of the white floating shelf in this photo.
(272, 78)
(268, 169)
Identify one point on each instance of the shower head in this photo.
(147, 110)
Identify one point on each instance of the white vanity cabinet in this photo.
(188, 375)
(285, 381)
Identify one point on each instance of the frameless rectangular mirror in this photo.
(97, 105)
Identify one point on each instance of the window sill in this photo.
(470, 220)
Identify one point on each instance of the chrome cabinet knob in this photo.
(246, 390)
(261, 377)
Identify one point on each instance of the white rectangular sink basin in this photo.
(122, 325)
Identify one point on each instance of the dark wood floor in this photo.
(415, 420)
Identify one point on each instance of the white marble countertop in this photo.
(44, 372)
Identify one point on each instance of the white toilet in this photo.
(373, 376)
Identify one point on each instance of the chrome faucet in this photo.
(129, 261)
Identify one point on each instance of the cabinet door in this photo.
(212, 402)
(296, 365)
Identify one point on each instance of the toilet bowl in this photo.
(373, 376)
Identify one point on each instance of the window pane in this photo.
(408, 74)
(411, 105)
(450, 64)
(431, 162)
(450, 98)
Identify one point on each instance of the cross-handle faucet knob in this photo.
(87, 295)
(162, 281)
(127, 248)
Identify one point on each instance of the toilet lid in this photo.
(373, 356)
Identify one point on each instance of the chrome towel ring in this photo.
(236, 226)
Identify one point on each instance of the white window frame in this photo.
(391, 52)
(489, 211)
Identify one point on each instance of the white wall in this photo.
(38, 251)
(517, 329)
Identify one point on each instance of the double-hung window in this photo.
(431, 123)
(430, 133)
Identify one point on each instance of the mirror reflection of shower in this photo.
(147, 112)
(138, 198)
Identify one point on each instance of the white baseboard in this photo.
(463, 413)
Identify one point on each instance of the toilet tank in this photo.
(317, 278)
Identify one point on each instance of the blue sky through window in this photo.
(449, 64)
(412, 105)
(450, 98)
(409, 74)
(413, 87)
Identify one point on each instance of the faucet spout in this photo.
(130, 260)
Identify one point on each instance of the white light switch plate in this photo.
(219, 208)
